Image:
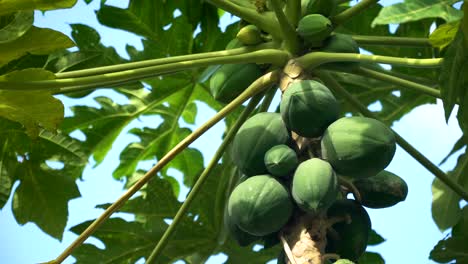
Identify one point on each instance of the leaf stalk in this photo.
(352, 11)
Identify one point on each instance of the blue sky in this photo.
(408, 226)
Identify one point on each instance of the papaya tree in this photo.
(296, 175)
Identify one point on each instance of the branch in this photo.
(289, 34)
(338, 89)
(392, 41)
(161, 61)
(201, 180)
(272, 56)
(263, 21)
(398, 81)
(352, 11)
(315, 59)
(256, 87)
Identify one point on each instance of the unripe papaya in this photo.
(358, 147)
(281, 160)
(314, 186)
(260, 205)
(249, 35)
(241, 237)
(255, 137)
(308, 108)
(230, 80)
(340, 43)
(322, 7)
(350, 238)
(383, 190)
(343, 261)
(314, 29)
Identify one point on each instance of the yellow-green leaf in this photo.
(38, 41)
(444, 35)
(33, 109)
(16, 25)
(10, 6)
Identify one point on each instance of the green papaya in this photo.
(383, 190)
(249, 35)
(358, 147)
(281, 160)
(314, 29)
(308, 108)
(340, 43)
(255, 137)
(241, 237)
(230, 80)
(322, 7)
(348, 238)
(260, 205)
(315, 185)
(343, 261)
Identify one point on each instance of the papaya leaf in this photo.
(42, 197)
(453, 72)
(7, 168)
(456, 147)
(371, 258)
(38, 41)
(445, 203)
(444, 35)
(413, 10)
(9, 6)
(375, 238)
(15, 27)
(33, 109)
(453, 247)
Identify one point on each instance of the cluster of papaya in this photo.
(285, 180)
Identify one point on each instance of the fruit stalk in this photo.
(258, 86)
(338, 89)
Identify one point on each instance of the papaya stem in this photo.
(349, 184)
(287, 29)
(391, 41)
(267, 100)
(287, 250)
(352, 11)
(276, 57)
(315, 59)
(256, 87)
(263, 21)
(338, 89)
(398, 81)
(201, 180)
(161, 61)
(293, 11)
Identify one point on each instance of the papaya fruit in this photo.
(281, 160)
(343, 261)
(340, 43)
(314, 29)
(314, 186)
(322, 7)
(349, 236)
(241, 237)
(255, 137)
(249, 35)
(308, 108)
(260, 205)
(358, 147)
(383, 190)
(230, 80)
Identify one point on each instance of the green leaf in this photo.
(445, 202)
(42, 197)
(456, 147)
(10, 6)
(453, 74)
(444, 35)
(7, 169)
(15, 27)
(375, 238)
(38, 41)
(413, 10)
(371, 258)
(451, 249)
(34, 109)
